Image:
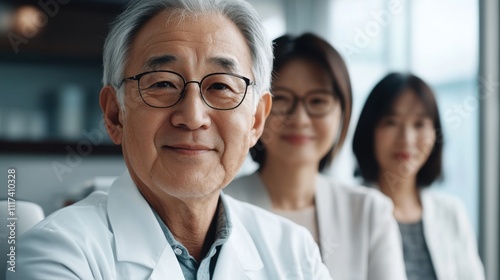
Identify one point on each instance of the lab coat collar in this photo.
(137, 234)
(240, 246)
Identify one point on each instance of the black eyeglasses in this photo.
(317, 103)
(164, 89)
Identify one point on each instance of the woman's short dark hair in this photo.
(378, 105)
(313, 48)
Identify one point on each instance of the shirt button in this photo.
(177, 251)
(212, 253)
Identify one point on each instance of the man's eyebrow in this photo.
(156, 62)
(228, 64)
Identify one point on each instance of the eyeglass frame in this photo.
(137, 78)
(297, 99)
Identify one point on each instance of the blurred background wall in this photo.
(51, 67)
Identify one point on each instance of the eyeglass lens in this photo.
(316, 103)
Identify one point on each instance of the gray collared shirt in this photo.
(191, 269)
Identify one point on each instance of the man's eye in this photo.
(218, 86)
(163, 84)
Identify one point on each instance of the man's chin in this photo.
(189, 188)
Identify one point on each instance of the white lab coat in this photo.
(116, 236)
(359, 236)
(450, 237)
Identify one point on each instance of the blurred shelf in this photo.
(75, 30)
(57, 148)
(64, 49)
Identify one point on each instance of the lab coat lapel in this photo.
(137, 234)
(238, 258)
(167, 267)
(432, 235)
(325, 208)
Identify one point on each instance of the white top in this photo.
(116, 236)
(359, 237)
(305, 217)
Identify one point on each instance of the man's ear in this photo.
(112, 114)
(263, 110)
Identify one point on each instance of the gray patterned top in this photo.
(417, 259)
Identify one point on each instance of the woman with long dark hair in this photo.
(398, 145)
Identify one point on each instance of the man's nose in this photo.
(191, 112)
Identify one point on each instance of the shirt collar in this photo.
(222, 231)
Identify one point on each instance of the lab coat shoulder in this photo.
(360, 237)
(105, 236)
(448, 212)
(357, 196)
(52, 250)
(371, 208)
(444, 205)
(450, 237)
(287, 250)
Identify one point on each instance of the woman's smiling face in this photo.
(297, 138)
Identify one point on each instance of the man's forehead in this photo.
(160, 61)
(169, 38)
(209, 28)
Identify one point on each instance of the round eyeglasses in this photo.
(317, 103)
(164, 89)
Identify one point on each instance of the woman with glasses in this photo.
(353, 226)
(398, 146)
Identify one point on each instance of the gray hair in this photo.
(138, 12)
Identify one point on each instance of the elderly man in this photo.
(186, 95)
